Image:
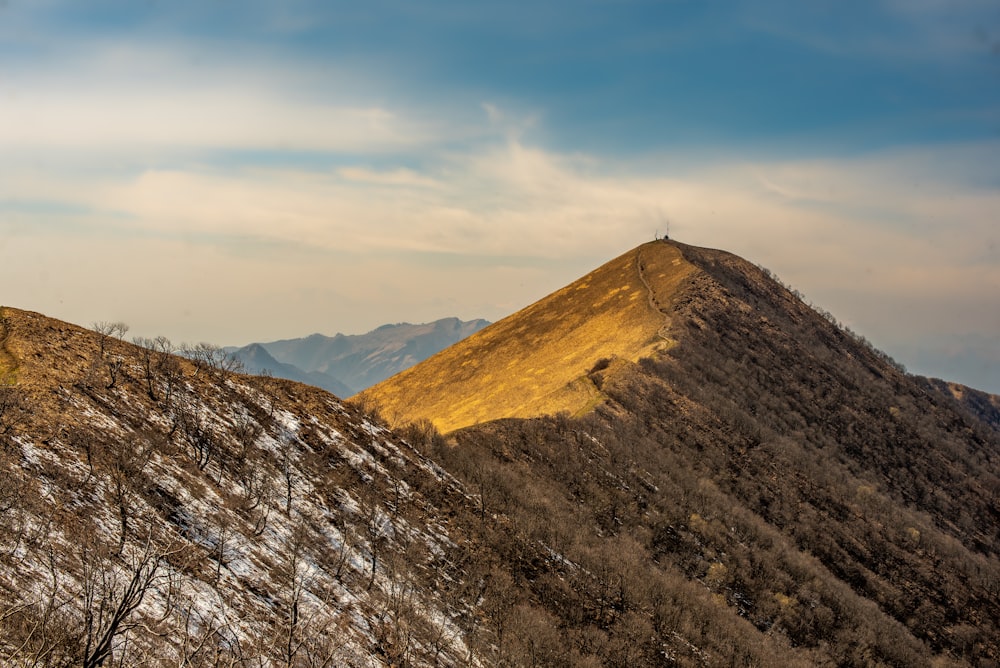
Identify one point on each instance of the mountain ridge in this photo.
(547, 348)
(348, 363)
(256, 359)
(785, 419)
(759, 487)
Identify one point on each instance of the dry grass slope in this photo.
(8, 365)
(535, 362)
(207, 518)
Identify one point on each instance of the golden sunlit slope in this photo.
(535, 362)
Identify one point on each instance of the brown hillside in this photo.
(535, 362)
(158, 510)
(762, 487)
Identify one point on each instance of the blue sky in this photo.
(247, 171)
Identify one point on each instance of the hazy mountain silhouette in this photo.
(358, 361)
(256, 359)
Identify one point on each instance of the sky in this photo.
(246, 171)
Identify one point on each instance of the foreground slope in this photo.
(158, 510)
(535, 362)
(162, 511)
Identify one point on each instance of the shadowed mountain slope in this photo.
(535, 362)
(983, 405)
(814, 487)
(760, 449)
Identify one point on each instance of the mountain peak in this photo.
(258, 351)
(536, 361)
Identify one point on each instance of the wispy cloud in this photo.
(828, 226)
(138, 119)
(152, 100)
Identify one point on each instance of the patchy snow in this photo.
(371, 428)
(30, 453)
(289, 422)
(94, 418)
(223, 577)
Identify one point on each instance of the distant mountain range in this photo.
(348, 363)
(256, 359)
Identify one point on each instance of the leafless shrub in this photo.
(124, 464)
(212, 359)
(112, 589)
(197, 435)
(110, 329)
(369, 407)
(13, 411)
(156, 363)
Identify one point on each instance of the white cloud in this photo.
(109, 119)
(394, 177)
(177, 98)
(515, 200)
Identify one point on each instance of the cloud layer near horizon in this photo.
(890, 243)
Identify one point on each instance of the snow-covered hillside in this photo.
(163, 511)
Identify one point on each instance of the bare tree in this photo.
(114, 362)
(112, 590)
(286, 464)
(197, 435)
(499, 597)
(323, 639)
(375, 522)
(125, 463)
(198, 637)
(153, 357)
(39, 630)
(13, 410)
(171, 372)
(148, 362)
(255, 497)
(14, 506)
(110, 329)
(212, 359)
(395, 622)
(309, 634)
(293, 574)
(223, 533)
